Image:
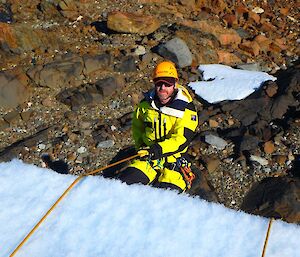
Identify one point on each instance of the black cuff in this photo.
(155, 152)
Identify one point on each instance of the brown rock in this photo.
(11, 117)
(263, 42)
(132, 23)
(269, 147)
(267, 26)
(251, 47)
(188, 3)
(224, 36)
(216, 6)
(25, 37)
(13, 88)
(213, 123)
(3, 124)
(202, 49)
(271, 89)
(230, 122)
(48, 102)
(281, 43)
(280, 159)
(230, 19)
(212, 165)
(26, 115)
(228, 58)
(284, 11)
(7, 35)
(254, 16)
(153, 1)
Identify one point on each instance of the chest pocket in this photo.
(157, 125)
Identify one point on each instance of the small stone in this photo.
(213, 123)
(230, 122)
(258, 10)
(212, 165)
(106, 144)
(41, 146)
(81, 150)
(47, 102)
(280, 159)
(269, 147)
(71, 157)
(259, 159)
(271, 89)
(11, 116)
(139, 50)
(85, 124)
(3, 124)
(26, 115)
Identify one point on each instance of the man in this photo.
(163, 125)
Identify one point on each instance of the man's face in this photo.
(164, 89)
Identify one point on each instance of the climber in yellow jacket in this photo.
(163, 125)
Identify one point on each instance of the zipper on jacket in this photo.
(159, 127)
(155, 131)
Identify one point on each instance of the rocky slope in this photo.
(72, 72)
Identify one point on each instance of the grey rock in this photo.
(126, 65)
(177, 51)
(249, 66)
(260, 160)
(106, 144)
(59, 73)
(94, 63)
(11, 116)
(215, 141)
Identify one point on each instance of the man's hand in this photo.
(150, 153)
(143, 153)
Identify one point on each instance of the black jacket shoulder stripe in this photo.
(191, 106)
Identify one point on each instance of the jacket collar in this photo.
(175, 107)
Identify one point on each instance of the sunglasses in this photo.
(160, 83)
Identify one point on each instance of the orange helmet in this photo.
(165, 69)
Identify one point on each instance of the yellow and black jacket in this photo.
(166, 129)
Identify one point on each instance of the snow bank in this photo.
(225, 83)
(102, 217)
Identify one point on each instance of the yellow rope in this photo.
(267, 237)
(63, 195)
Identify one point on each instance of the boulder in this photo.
(132, 23)
(177, 51)
(202, 45)
(90, 93)
(14, 88)
(276, 197)
(96, 62)
(60, 73)
(23, 37)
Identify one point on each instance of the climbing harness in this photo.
(64, 194)
(185, 168)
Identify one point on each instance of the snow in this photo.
(104, 217)
(226, 83)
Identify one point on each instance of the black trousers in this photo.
(134, 176)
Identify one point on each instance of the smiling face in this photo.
(164, 88)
